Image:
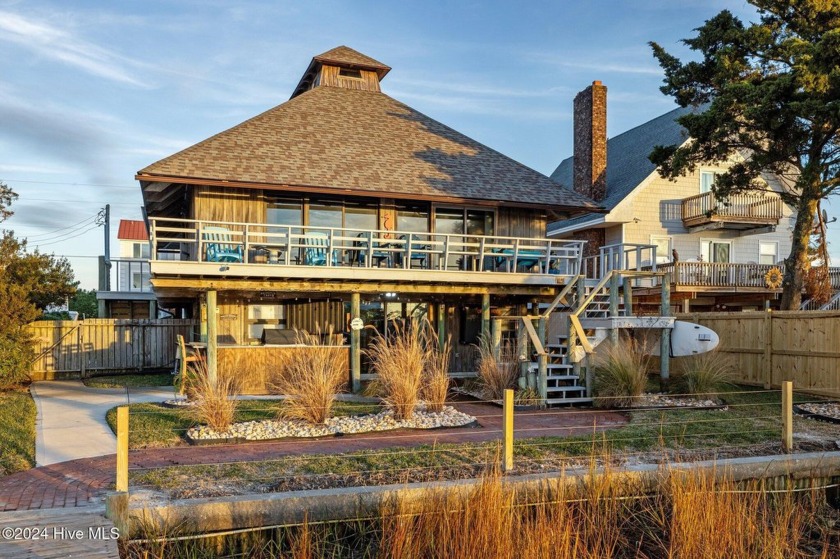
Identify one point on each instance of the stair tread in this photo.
(551, 401)
(566, 388)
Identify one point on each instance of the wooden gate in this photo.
(72, 349)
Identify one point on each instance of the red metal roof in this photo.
(131, 230)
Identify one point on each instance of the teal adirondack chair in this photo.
(316, 247)
(220, 246)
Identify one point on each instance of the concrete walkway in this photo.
(71, 418)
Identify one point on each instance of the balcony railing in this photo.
(622, 256)
(726, 275)
(295, 245)
(737, 210)
(132, 275)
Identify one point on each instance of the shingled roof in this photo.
(365, 142)
(345, 56)
(627, 160)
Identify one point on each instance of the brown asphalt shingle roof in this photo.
(345, 56)
(365, 141)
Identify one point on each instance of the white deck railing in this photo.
(296, 245)
(621, 256)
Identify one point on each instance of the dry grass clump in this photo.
(311, 378)
(620, 373)
(215, 405)
(496, 374)
(399, 361)
(705, 374)
(436, 380)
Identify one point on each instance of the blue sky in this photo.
(91, 92)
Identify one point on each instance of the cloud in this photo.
(478, 89)
(479, 106)
(57, 44)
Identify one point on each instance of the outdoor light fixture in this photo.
(224, 268)
(390, 295)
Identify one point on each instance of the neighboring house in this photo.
(718, 253)
(344, 203)
(125, 290)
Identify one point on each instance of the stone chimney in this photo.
(590, 141)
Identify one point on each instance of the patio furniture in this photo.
(360, 254)
(182, 358)
(524, 258)
(316, 247)
(419, 257)
(220, 247)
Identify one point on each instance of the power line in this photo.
(89, 218)
(67, 238)
(65, 201)
(62, 235)
(72, 183)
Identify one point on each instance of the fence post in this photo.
(768, 350)
(507, 431)
(614, 282)
(122, 449)
(787, 416)
(665, 340)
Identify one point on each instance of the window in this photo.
(283, 211)
(413, 218)
(262, 317)
(716, 251)
(325, 213)
(707, 181)
(350, 73)
(768, 252)
(663, 248)
(140, 250)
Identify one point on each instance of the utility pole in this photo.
(108, 246)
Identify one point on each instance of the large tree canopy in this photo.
(772, 94)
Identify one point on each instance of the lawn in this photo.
(750, 425)
(157, 426)
(17, 431)
(130, 381)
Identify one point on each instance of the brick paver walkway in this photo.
(82, 482)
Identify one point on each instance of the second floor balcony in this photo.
(745, 211)
(182, 247)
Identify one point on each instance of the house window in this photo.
(768, 252)
(350, 73)
(284, 211)
(413, 218)
(707, 181)
(140, 250)
(263, 317)
(663, 248)
(716, 251)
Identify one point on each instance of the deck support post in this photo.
(496, 338)
(628, 297)
(355, 344)
(580, 295)
(212, 336)
(614, 283)
(665, 340)
(441, 323)
(522, 350)
(485, 314)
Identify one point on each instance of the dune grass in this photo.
(17, 431)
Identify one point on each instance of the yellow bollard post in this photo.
(507, 431)
(122, 448)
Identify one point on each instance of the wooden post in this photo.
(496, 338)
(212, 336)
(522, 350)
(581, 290)
(614, 282)
(122, 449)
(485, 314)
(542, 377)
(80, 344)
(507, 432)
(768, 350)
(628, 297)
(787, 416)
(542, 330)
(441, 323)
(355, 344)
(665, 340)
(202, 320)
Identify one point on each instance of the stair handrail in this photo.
(563, 293)
(831, 302)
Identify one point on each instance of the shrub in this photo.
(399, 362)
(214, 402)
(495, 375)
(311, 378)
(704, 374)
(436, 380)
(620, 373)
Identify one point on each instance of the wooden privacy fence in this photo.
(768, 348)
(69, 348)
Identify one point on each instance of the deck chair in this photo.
(415, 256)
(316, 247)
(182, 358)
(220, 246)
(361, 255)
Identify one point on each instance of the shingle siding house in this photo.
(345, 203)
(723, 251)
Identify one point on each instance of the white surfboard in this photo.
(688, 338)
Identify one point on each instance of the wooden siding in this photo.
(254, 366)
(81, 348)
(229, 204)
(770, 347)
(519, 222)
(368, 82)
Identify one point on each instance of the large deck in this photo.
(743, 212)
(225, 250)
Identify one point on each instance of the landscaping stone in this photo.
(823, 411)
(661, 400)
(383, 421)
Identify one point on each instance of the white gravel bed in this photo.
(828, 409)
(665, 401)
(382, 421)
(180, 403)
